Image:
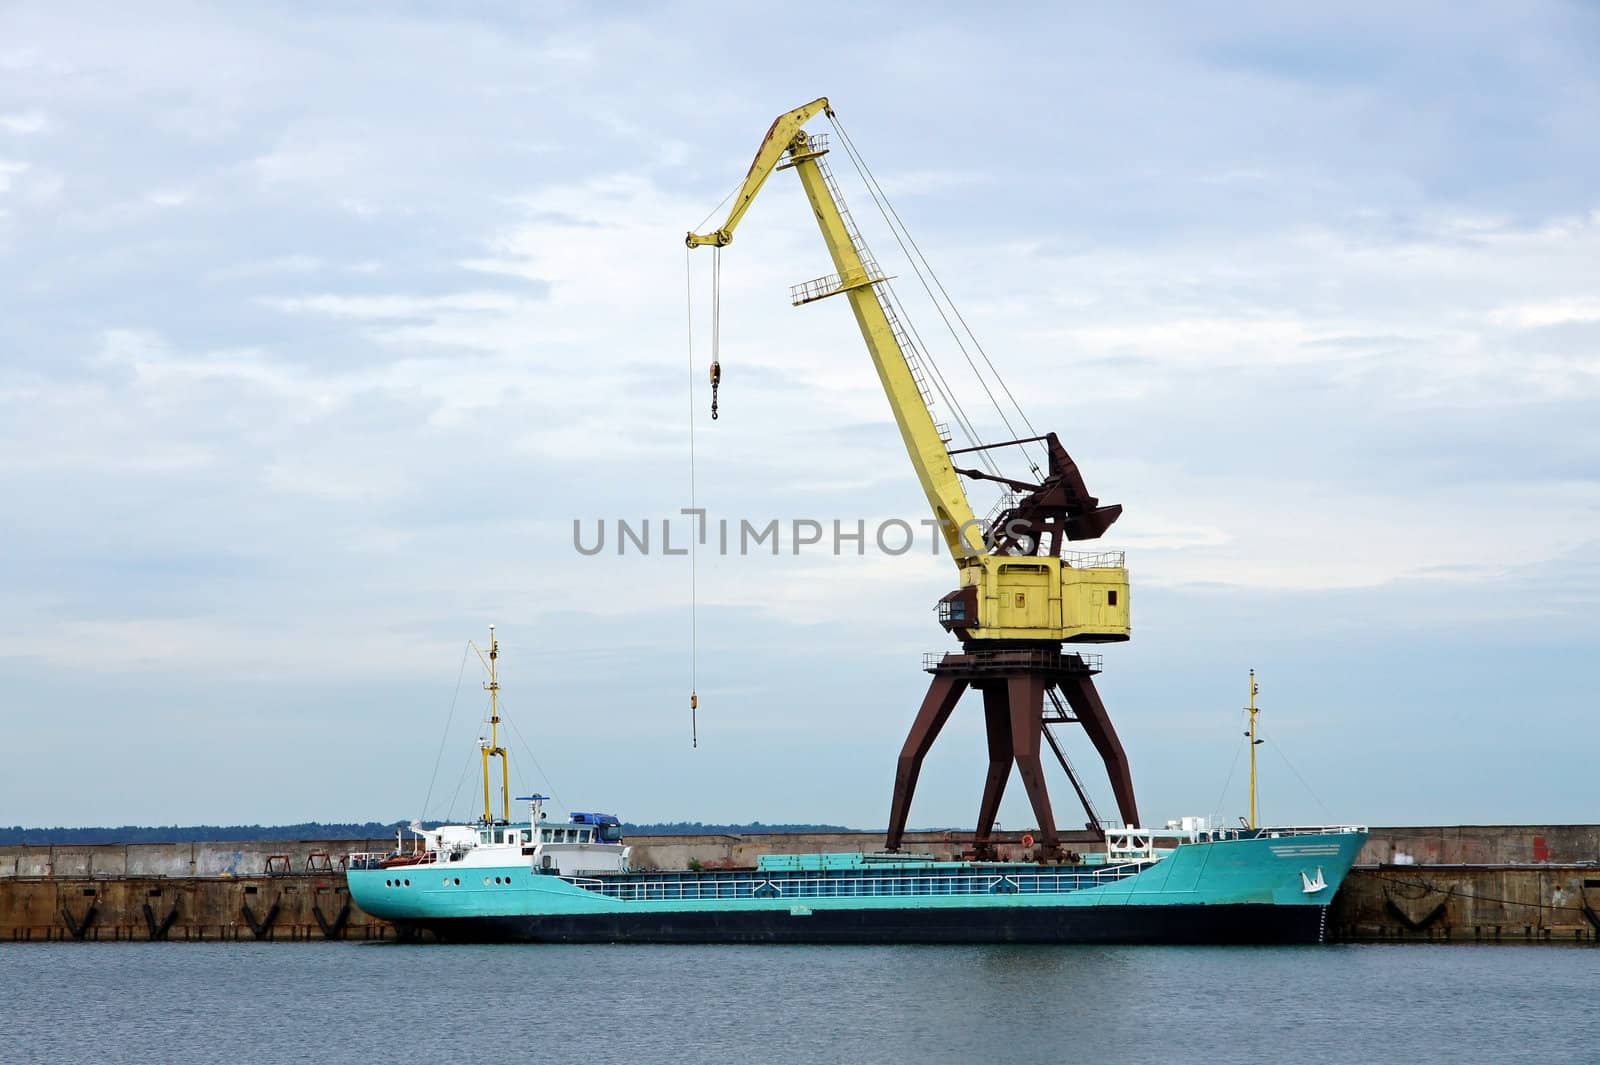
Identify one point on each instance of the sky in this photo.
(320, 328)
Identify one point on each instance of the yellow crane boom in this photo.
(1002, 596)
(787, 145)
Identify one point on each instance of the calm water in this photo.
(386, 1003)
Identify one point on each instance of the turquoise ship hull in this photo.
(1255, 888)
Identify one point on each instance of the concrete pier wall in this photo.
(292, 907)
(179, 859)
(1483, 845)
(1471, 882)
(1524, 903)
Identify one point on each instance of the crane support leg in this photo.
(943, 694)
(1091, 713)
(997, 723)
(1026, 695)
(1014, 682)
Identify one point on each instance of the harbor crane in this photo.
(1022, 598)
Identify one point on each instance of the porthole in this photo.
(408, 883)
(446, 881)
(458, 881)
(388, 883)
(485, 881)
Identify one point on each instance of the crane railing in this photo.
(1095, 559)
(833, 284)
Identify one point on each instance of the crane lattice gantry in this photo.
(1020, 600)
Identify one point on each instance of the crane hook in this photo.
(716, 379)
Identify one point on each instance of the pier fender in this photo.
(1418, 913)
(79, 928)
(335, 928)
(158, 929)
(1588, 896)
(263, 928)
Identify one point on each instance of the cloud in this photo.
(9, 169)
(321, 331)
(25, 124)
(393, 307)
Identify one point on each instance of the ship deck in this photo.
(866, 881)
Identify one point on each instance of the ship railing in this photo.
(375, 859)
(1012, 660)
(1278, 832)
(907, 884)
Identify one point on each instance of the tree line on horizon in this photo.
(317, 830)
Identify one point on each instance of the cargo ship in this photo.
(532, 882)
(574, 882)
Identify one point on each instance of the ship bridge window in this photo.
(527, 835)
(544, 835)
(610, 833)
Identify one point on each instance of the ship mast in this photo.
(1254, 743)
(491, 747)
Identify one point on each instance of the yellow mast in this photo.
(492, 748)
(1254, 690)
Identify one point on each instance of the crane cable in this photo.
(438, 758)
(897, 227)
(694, 580)
(716, 379)
(716, 326)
